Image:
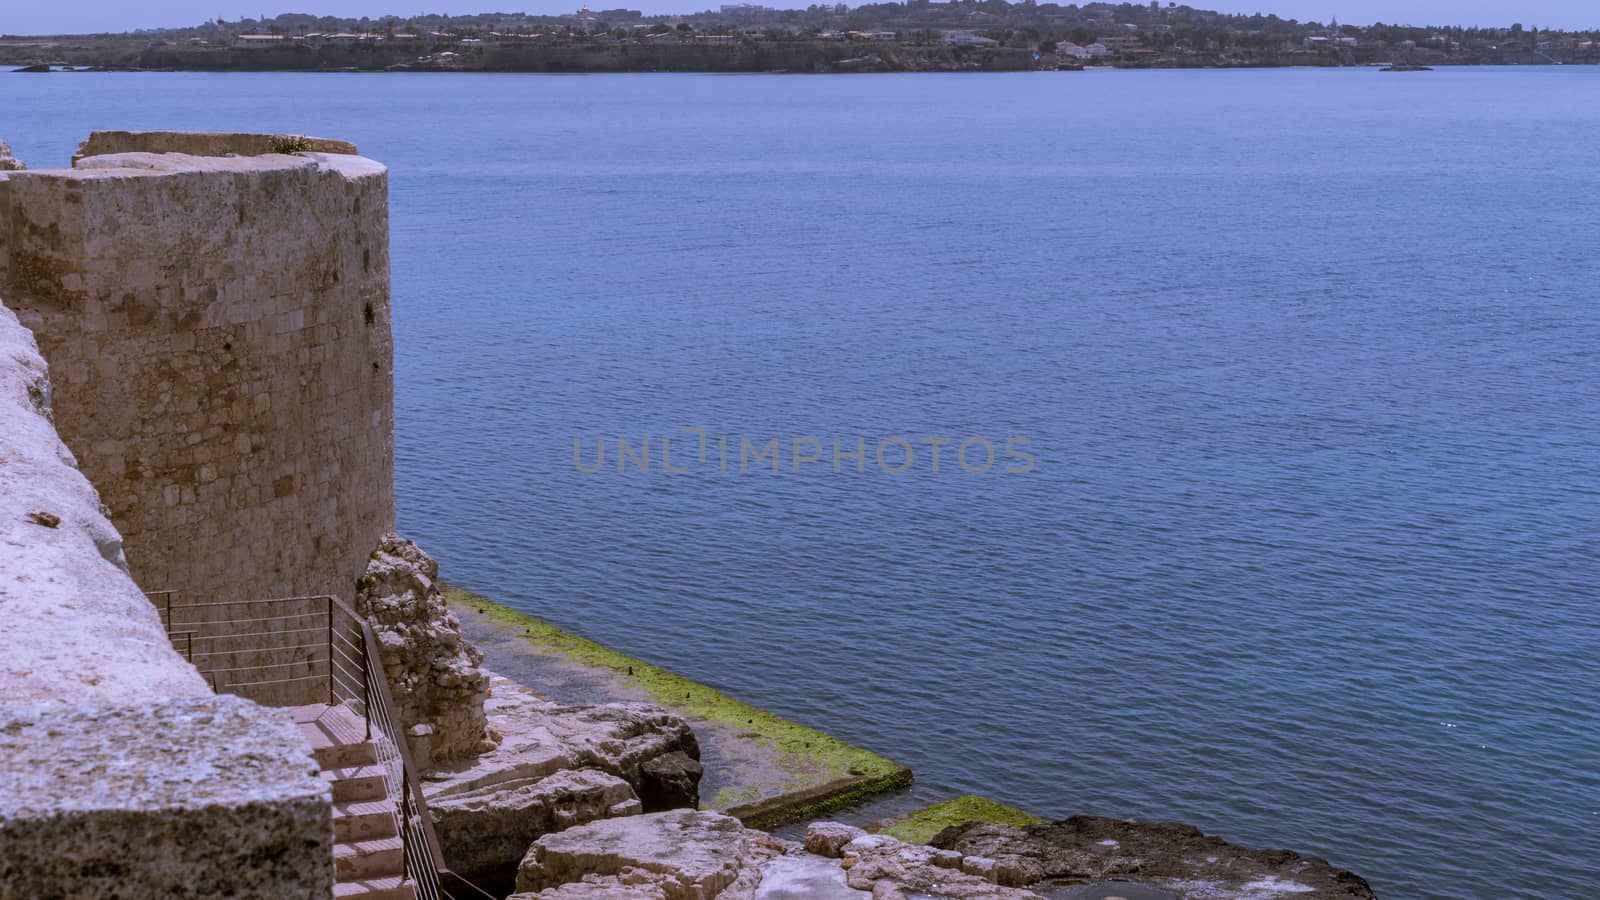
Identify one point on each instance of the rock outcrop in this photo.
(485, 832)
(670, 781)
(892, 870)
(555, 766)
(1167, 856)
(690, 855)
(432, 671)
(9, 163)
(679, 855)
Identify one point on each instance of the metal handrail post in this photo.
(405, 827)
(331, 701)
(366, 686)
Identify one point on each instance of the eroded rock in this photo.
(684, 854)
(1168, 856)
(670, 781)
(828, 838)
(489, 808)
(432, 670)
(892, 870)
(9, 163)
(485, 831)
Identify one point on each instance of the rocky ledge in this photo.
(555, 767)
(1166, 858)
(690, 855)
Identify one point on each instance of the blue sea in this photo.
(1305, 365)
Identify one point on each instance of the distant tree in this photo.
(1047, 46)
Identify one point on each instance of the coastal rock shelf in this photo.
(1167, 856)
(701, 855)
(555, 766)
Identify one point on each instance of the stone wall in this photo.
(120, 774)
(218, 328)
(206, 143)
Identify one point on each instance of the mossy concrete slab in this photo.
(760, 767)
(919, 827)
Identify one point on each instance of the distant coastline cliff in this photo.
(886, 37)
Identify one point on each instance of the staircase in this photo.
(368, 853)
(293, 650)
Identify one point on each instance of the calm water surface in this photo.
(1310, 361)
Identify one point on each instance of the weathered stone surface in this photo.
(199, 797)
(1167, 856)
(9, 163)
(828, 838)
(478, 798)
(538, 737)
(687, 854)
(596, 888)
(803, 876)
(218, 333)
(485, 832)
(670, 781)
(892, 870)
(75, 627)
(205, 143)
(433, 672)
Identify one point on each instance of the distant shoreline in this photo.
(57, 69)
(594, 56)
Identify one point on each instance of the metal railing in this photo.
(316, 650)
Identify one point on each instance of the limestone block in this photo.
(199, 797)
(689, 855)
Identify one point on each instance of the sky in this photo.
(81, 16)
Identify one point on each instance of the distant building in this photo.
(258, 40)
(1069, 49)
(968, 39)
(1097, 50)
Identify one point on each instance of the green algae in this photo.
(817, 763)
(920, 827)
